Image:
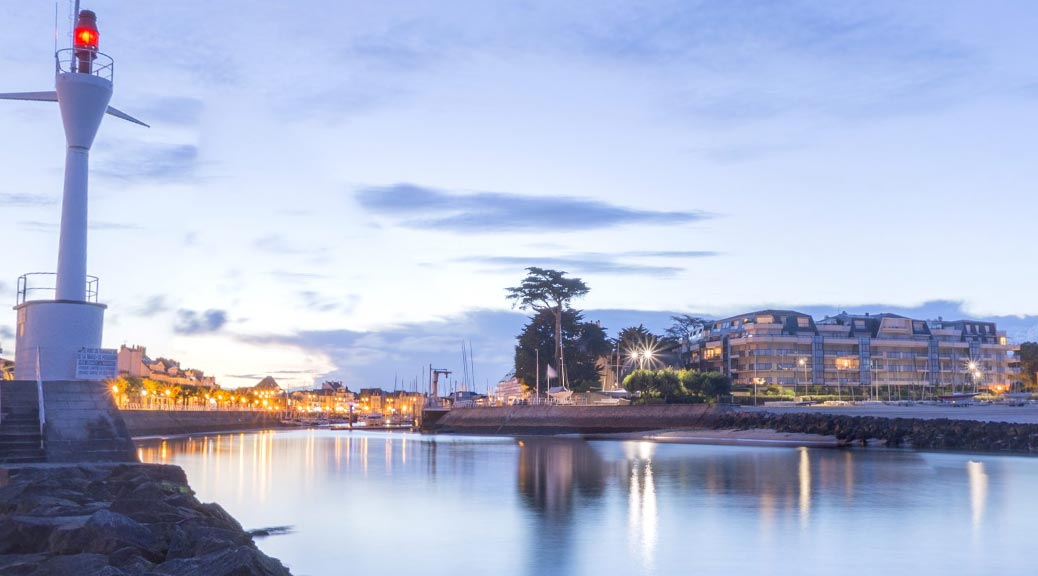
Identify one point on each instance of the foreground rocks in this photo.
(115, 520)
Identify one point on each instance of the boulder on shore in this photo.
(118, 520)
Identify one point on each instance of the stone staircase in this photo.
(20, 440)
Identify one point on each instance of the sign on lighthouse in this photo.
(60, 338)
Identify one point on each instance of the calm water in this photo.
(394, 503)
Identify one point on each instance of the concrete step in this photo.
(17, 440)
(19, 418)
(23, 458)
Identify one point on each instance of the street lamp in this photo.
(971, 369)
(803, 366)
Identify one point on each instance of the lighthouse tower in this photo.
(60, 338)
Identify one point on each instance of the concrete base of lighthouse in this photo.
(55, 332)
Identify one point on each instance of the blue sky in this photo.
(345, 189)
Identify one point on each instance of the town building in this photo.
(792, 349)
(133, 361)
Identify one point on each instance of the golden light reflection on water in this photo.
(632, 507)
(642, 515)
(804, 480)
(978, 479)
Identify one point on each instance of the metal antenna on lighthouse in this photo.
(57, 332)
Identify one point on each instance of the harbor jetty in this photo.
(922, 428)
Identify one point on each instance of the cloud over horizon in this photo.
(497, 211)
(191, 322)
(597, 262)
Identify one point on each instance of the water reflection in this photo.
(804, 478)
(978, 491)
(642, 519)
(544, 506)
(552, 474)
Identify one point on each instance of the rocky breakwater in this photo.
(918, 433)
(118, 519)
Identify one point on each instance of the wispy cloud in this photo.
(598, 262)
(171, 110)
(38, 226)
(191, 322)
(318, 302)
(8, 200)
(6, 332)
(153, 306)
(494, 211)
(137, 161)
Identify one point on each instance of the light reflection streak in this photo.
(804, 480)
(241, 466)
(978, 478)
(389, 455)
(848, 475)
(643, 518)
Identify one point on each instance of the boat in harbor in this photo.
(959, 397)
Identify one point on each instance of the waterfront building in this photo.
(133, 361)
(791, 349)
(508, 391)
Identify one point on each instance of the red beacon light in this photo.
(85, 39)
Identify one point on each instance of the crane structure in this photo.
(434, 375)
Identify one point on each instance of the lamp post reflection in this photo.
(642, 520)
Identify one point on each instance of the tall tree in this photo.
(586, 342)
(686, 328)
(548, 290)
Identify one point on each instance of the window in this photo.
(803, 322)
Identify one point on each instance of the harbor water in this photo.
(398, 503)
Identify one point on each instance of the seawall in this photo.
(574, 419)
(169, 423)
(895, 432)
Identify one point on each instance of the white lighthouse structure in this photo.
(59, 337)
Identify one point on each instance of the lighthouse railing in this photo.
(101, 64)
(43, 285)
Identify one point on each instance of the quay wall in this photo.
(573, 419)
(169, 423)
(894, 432)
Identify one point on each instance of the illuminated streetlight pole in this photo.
(803, 366)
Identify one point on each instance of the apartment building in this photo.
(792, 349)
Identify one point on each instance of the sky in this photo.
(343, 190)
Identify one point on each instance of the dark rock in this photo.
(19, 564)
(30, 534)
(116, 520)
(77, 564)
(129, 560)
(215, 511)
(103, 533)
(240, 561)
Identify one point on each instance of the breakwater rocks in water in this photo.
(115, 520)
(918, 433)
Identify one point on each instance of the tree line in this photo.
(579, 351)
